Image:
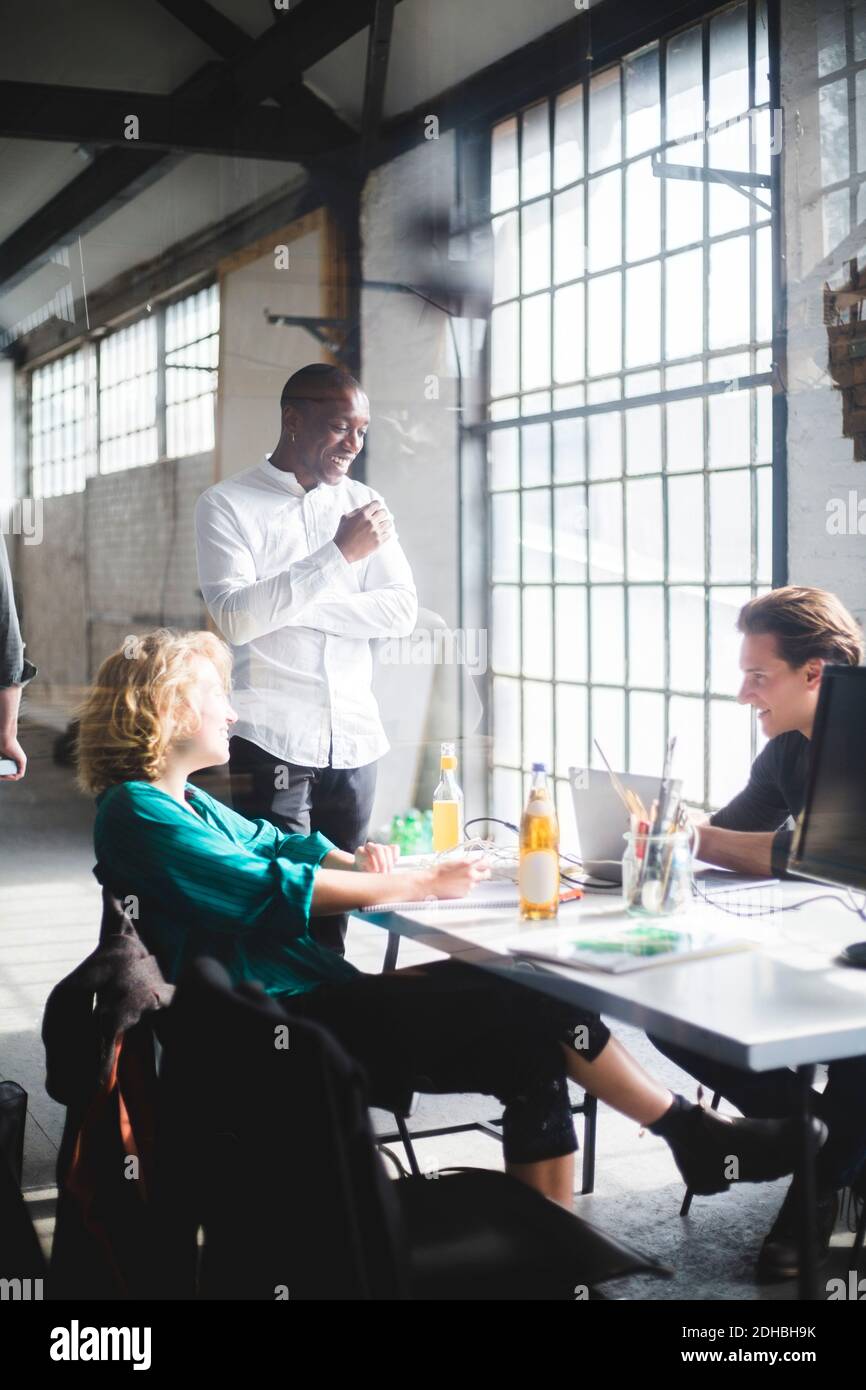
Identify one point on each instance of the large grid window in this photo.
(146, 392)
(62, 421)
(191, 357)
(841, 42)
(127, 397)
(630, 416)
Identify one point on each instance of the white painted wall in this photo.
(821, 463)
(256, 357)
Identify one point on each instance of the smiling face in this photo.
(328, 435)
(785, 696)
(212, 717)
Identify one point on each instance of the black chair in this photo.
(587, 1107)
(267, 1148)
(21, 1260)
(858, 1199)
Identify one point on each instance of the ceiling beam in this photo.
(307, 33)
(266, 64)
(378, 52)
(208, 24)
(296, 132)
(184, 263)
(591, 39)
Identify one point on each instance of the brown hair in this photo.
(136, 706)
(807, 623)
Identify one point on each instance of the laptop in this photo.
(602, 820)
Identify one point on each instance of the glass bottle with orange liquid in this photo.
(539, 852)
(447, 804)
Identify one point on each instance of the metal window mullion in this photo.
(622, 471)
(585, 329)
(98, 421)
(780, 400)
(520, 567)
(751, 12)
(551, 107)
(663, 231)
(159, 405)
(851, 83)
(705, 63)
(90, 406)
(678, 393)
(25, 409)
(751, 20)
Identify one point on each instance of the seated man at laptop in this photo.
(788, 636)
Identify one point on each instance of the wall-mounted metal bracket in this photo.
(319, 327)
(316, 326)
(740, 180)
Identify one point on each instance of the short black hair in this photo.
(318, 381)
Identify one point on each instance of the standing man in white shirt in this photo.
(300, 567)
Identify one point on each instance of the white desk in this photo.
(786, 1002)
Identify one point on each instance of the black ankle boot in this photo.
(713, 1150)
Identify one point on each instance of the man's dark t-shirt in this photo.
(776, 790)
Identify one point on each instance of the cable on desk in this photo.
(710, 898)
(569, 858)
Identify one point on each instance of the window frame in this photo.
(473, 177)
(91, 348)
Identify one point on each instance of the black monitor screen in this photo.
(831, 843)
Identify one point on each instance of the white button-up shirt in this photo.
(298, 616)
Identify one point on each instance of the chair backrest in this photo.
(264, 1140)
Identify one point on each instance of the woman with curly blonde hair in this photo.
(209, 882)
(138, 705)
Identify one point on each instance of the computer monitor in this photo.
(830, 840)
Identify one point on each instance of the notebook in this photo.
(500, 897)
(621, 947)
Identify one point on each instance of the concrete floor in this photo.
(49, 920)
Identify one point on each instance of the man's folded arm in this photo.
(388, 612)
(242, 606)
(385, 606)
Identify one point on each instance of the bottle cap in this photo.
(539, 767)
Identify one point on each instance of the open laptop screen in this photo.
(830, 843)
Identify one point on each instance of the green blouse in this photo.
(211, 882)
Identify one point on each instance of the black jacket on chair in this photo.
(264, 1141)
(100, 1064)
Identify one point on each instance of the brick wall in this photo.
(116, 558)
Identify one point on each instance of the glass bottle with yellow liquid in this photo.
(447, 804)
(539, 852)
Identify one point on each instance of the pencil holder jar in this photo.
(657, 873)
